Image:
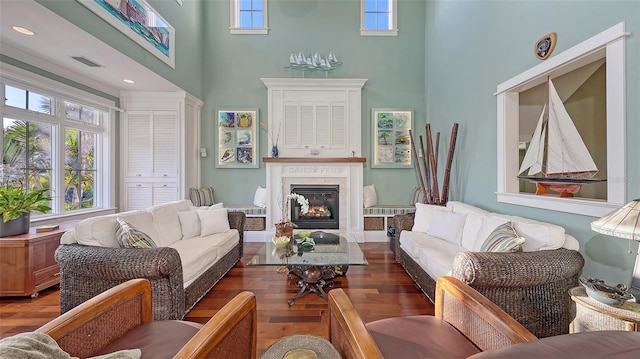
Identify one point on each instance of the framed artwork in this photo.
(141, 23)
(237, 138)
(391, 140)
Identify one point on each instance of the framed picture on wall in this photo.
(391, 140)
(237, 138)
(141, 23)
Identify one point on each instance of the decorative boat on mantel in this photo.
(557, 158)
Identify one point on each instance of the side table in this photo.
(27, 265)
(301, 346)
(591, 315)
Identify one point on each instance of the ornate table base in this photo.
(313, 279)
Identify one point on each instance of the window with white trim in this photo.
(54, 143)
(379, 17)
(249, 17)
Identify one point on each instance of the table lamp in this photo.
(623, 223)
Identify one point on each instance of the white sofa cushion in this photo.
(464, 208)
(447, 226)
(197, 254)
(213, 221)
(412, 242)
(101, 230)
(189, 223)
(436, 257)
(165, 218)
(422, 217)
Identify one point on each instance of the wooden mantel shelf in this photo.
(314, 159)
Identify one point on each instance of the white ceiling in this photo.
(57, 40)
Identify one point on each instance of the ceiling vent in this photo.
(86, 61)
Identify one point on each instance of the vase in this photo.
(15, 227)
(286, 231)
(274, 151)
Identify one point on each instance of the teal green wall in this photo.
(445, 63)
(234, 65)
(472, 46)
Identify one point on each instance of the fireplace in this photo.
(324, 206)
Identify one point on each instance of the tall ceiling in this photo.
(57, 41)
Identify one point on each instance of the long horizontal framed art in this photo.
(237, 138)
(391, 139)
(141, 23)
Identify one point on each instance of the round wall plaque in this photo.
(545, 45)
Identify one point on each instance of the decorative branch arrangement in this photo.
(430, 164)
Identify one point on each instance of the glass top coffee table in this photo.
(316, 266)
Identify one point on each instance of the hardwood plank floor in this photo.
(380, 290)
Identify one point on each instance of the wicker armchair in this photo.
(121, 317)
(86, 271)
(532, 287)
(465, 323)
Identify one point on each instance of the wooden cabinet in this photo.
(27, 263)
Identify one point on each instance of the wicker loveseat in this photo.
(182, 269)
(532, 286)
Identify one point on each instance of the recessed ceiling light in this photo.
(129, 81)
(23, 30)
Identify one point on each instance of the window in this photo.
(50, 142)
(249, 17)
(512, 95)
(379, 17)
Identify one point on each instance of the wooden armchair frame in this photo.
(478, 319)
(89, 327)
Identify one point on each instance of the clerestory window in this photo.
(249, 17)
(379, 17)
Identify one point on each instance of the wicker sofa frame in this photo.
(532, 287)
(86, 271)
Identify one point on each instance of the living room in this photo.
(445, 64)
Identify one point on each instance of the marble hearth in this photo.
(347, 173)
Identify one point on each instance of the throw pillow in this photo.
(447, 226)
(422, 218)
(260, 197)
(130, 237)
(201, 197)
(418, 196)
(190, 224)
(370, 198)
(213, 221)
(504, 238)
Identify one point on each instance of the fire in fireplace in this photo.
(323, 206)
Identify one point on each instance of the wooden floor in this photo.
(380, 290)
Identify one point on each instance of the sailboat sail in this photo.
(566, 153)
(535, 153)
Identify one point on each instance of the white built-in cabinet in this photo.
(315, 117)
(159, 152)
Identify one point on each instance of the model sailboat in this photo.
(557, 158)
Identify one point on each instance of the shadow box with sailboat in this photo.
(557, 159)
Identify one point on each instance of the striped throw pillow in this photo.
(201, 197)
(130, 237)
(504, 238)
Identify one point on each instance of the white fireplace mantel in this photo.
(318, 124)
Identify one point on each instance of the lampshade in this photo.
(622, 223)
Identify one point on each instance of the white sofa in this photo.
(531, 285)
(196, 247)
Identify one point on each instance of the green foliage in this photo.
(15, 201)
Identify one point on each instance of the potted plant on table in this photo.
(16, 205)
(285, 226)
